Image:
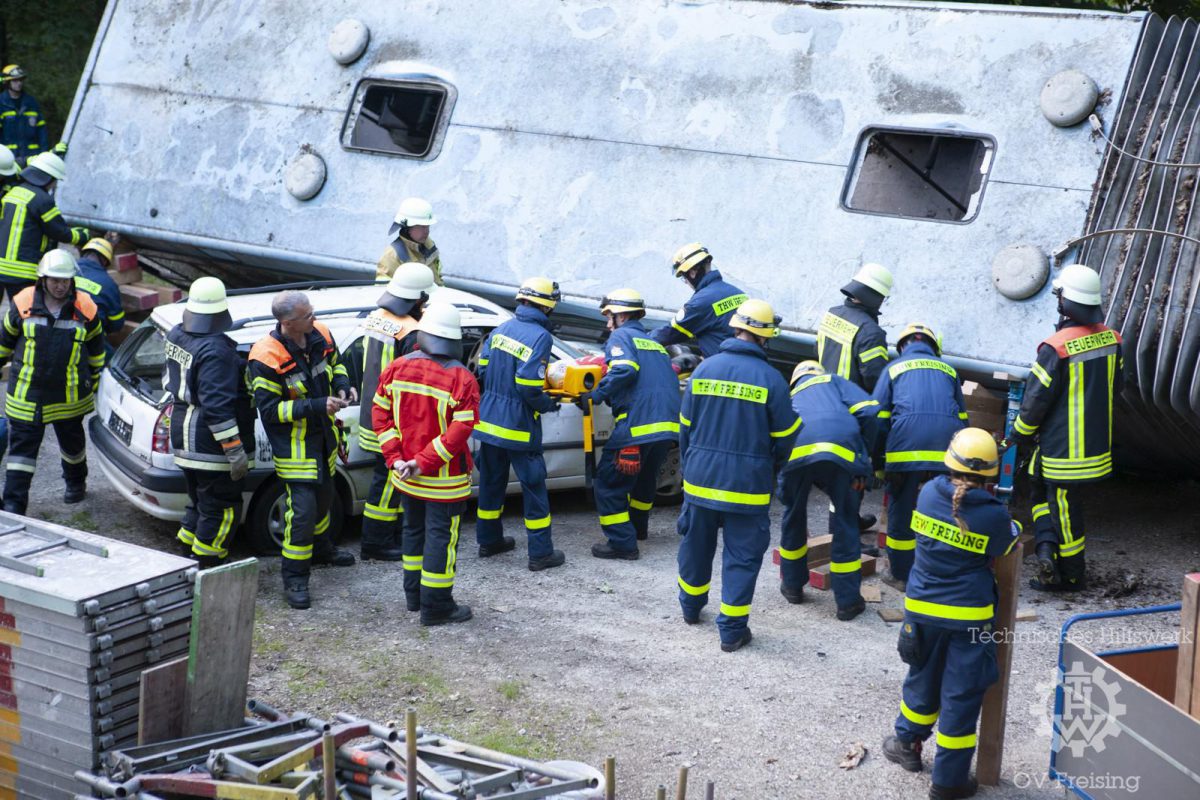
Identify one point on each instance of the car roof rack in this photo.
(361, 311)
(300, 285)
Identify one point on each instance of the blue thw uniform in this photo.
(22, 126)
(643, 390)
(921, 407)
(509, 432)
(831, 450)
(96, 281)
(736, 433)
(705, 317)
(1068, 406)
(949, 601)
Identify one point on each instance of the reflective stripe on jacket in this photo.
(96, 281)
(290, 397)
(851, 345)
(921, 407)
(513, 362)
(425, 409)
(705, 317)
(737, 428)
(207, 379)
(951, 582)
(642, 388)
(386, 338)
(1068, 403)
(30, 223)
(56, 361)
(839, 424)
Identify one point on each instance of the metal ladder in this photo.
(47, 541)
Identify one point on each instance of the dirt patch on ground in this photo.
(592, 659)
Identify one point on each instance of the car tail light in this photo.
(162, 431)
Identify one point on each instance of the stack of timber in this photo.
(138, 297)
(81, 617)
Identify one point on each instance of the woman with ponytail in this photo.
(946, 637)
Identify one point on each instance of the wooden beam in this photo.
(161, 701)
(990, 752)
(219, 653)
(819, 576)
(1187, 669)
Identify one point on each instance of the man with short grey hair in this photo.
(299, 384)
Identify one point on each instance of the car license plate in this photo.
(123, 429)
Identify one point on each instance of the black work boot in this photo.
(555, 559)
(295, 591)
(847, 613)
(380, 552)
(457, 614)
(505, 544)
(15, 508)
(968, 789)
(906, 754)
(793, 596)
(738, 643)
(642, 533)
(605, 550)
(208, 562)
(334, 557)
(1047, 569)
(866, 522)
(412, 601)
(894, 582)
(74, 493)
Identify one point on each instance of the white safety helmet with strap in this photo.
(57, 264)
(871, 285)
(439, 333)
(207, 309)
(8, 163)
(757, 317)
(50, 164)
(409, 286)
(414, 211)
(1078, 283)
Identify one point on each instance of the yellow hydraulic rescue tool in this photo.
(567, 381)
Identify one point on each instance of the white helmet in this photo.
(1079, 283)
(50, 164)
(207, 309)
(414, 211)
(57, 264)
(875, 276)
(441, 320)
(8, 164)
(410, 280)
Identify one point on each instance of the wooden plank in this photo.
(219, 653)
(1187, 668)
(871, 594)
(890, 614)
(818, 550)
(990, 752)
(126, 262)
(135, 297)
(160, 705)
(124, 278)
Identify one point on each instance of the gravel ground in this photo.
(592, 659)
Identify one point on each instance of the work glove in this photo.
(60, 149)
(583, 401)
(239, 464)
(629, 460)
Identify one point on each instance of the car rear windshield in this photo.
(138, 362)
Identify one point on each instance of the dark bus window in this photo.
(400, 119)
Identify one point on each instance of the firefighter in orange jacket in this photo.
(1068, 410)
(424, 411)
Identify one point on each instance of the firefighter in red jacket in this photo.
(424, 411)
(1068, 411)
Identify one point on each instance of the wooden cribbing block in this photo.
(990, 751)
(126, 277)
(137, 297)
(219, 652)
(818, 550)
(1187, 669)
(161, 700)
(126, 262)
(819, 577)
(168, 294)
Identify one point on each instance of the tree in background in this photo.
(51, 39)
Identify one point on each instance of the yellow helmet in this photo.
(688, 256)
(757, 317)
(12, 72)
(101, 246)
(541, 291)
(809, 367)
(623, 301)
(912, 329)
(973, 450)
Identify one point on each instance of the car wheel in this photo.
(670, 481)
(266, 519)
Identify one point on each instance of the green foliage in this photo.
(51, 39)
